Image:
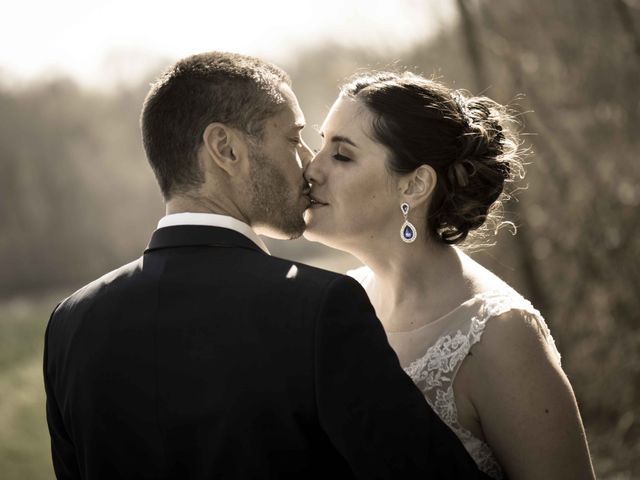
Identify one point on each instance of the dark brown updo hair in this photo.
(465, 139)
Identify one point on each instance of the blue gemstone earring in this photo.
(407, 231)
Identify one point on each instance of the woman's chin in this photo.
(321, 231)
(311, 233)
(311, 230)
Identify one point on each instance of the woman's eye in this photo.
(296, 141)
(341, 158)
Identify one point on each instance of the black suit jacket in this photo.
(208, 359)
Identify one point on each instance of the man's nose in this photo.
(305, 154)
(311, 172)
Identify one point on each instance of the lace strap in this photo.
(442, 360)
(496, 304)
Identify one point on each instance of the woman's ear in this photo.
(226, 148)
(418, 185)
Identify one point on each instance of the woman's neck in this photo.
(415, 283)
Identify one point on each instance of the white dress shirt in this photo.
(212, 220)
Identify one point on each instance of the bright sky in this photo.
(99, 42)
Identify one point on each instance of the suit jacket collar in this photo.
(212, 220)
(198, 236)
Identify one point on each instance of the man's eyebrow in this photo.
(298, 126)
(340, 138)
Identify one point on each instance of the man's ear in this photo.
(418, 185)
(226, 148)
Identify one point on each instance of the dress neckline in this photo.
(470, 301)
(439, 319)
(364, 275)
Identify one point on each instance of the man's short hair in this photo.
(237, 90)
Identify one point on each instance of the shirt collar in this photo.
(213, 220)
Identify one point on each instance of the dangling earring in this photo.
(407, 231)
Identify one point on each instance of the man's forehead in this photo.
(294, 112)
(288, 119)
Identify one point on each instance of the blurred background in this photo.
(77, 197)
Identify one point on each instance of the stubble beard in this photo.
(274, 203)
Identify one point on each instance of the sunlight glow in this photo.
(104, 42)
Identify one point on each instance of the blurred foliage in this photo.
(77, 197)
(24, 439)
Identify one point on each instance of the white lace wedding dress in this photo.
(432, 355)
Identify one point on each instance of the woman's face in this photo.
(355, 198)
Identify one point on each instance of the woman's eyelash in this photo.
(341, 158)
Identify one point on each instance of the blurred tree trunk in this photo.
(524, 244)
(627, 22)
(564, 150)
(472, 45)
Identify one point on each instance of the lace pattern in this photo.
(435, 372)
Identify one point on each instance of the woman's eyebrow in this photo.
(340, 138)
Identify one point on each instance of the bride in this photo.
(408, 168)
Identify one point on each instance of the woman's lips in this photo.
(315, 203)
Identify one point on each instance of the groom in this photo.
(207, 358)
